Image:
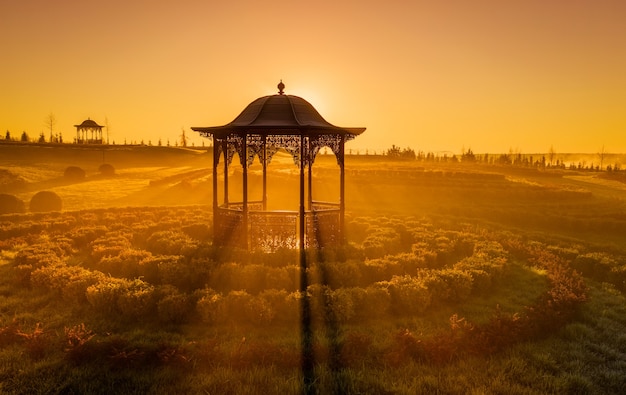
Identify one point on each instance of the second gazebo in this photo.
(266, 125)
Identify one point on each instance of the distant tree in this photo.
(408, 153)
(24, 137)
(183, 138)
(160, 142)
(393, 152)
(468, 156)
(50, 123)
(602, 155)
(8, 136)
(42, 138)
(551, 155)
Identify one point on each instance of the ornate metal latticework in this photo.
(268, 124)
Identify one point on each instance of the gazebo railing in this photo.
(272, 230)
(252, 205)
(324, 206)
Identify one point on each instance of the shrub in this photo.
(173, 306)
(286, 306)
(31, 258)
(74, 173)
(371, 304)
(69, 281)
(250, 278)
(171, 242)
(44, 201)
(137, 298)
(198, 231)
(110, 244)
(77, 284)
(459, 284)
(408, 294)
(104, 294)
(125, 264)
(211, 307)
(280, 278)
(83, 235)
(185, 275)
(106, 170)
(381, 241)
(259, 311)
(10, 204)
(338, 274)
(340, 304)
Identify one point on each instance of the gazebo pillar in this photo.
(225, 151)
(216, 161)
(301, 215)
(310, 178)
(342, 187)
(305, 307)
(244, 163)
(264, 163)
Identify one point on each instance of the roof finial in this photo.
(281, 86)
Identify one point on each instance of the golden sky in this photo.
(490, 75)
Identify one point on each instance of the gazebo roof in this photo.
(88, 123)
(279, 114)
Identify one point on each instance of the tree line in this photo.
(540, 161)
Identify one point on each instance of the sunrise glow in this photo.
(435, 76)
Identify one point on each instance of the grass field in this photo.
(457, 278)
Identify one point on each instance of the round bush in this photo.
(45, 201)
(74, 173)
(106, 169)
(10, 204)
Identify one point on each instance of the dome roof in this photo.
(88, 123)
(280, 110)
(279, 114)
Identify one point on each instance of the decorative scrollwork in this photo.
(270, 231)
(332, 141)
(289, 142)
(254, 143)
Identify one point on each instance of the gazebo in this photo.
(266, 125)
(88, 132)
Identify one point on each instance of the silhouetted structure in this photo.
(266, 125)
(88, 132)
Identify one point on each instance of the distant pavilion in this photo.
(266, 125)
(88, 132)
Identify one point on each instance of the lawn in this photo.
(456, 278)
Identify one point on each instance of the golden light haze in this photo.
(436, 76)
